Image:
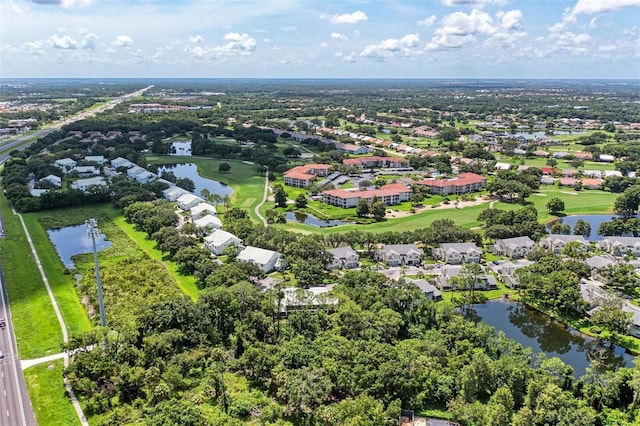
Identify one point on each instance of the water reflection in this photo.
(595, 220)
(181, 148)
(72, 240)
(311, 220)
(191, 171)
(543, 334)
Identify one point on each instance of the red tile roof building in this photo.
(462, 184)
(394, 193)
(303, 176)
(369, 162)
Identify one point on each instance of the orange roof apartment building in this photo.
(369, 162)
(391, 194)
(303, 176)
(462, 184)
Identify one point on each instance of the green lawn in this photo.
(48, 395)
(247, 185)
(37, 330)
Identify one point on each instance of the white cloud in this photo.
(592, 7)
(608, 48)
(266, 40)
(458, 29)
(288, 28)
(122, 40)
(64, 42)
(339, 37)
(391, 48)
(238, 44)
(428, 21)
(350, 58)
(89, 41)
(64, 3)
(510, 20)
(629, 31)
(33, 44)
(504, 39)
(474, 3)
(196, 39)
(349, 18)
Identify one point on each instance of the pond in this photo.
(191, 171)
(72, 240)
(544, 334)
(182, 148)
(595, 220)
(311, 220)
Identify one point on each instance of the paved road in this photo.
(15, 407)
(15, 144)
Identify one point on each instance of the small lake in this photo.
(595, 220)
(191, 171)
(311, 220)
(72, 240)
(181, 148)
(544, 334)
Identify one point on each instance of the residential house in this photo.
(597, 264)
(343, 258)
(547, 180)
(507, 271)
(208, 223)
(592, 183)
(606, 158)
(568, 181)
(85, 171)
(37, 193)
(462, 184)
(121, 162)
(391, 194)
(514, 248)
(53, 180)
(219, 240)
(583, 155)
(303, 176)
(145, 177)
(503, 166)
(85, 184)
(266, 260)
(135, 171)
(620, 246)
(202, 209)
(399, 254)
(455, 253)
(173, 193)
(482, 281)
(99, 159)
(556, 242)
(429, 290)
(188, 201)
(66, 164)
(301, 299)
(351, 148)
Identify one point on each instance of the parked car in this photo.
(3, 323)
(1, 354)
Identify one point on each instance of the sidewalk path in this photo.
(264, 199)
(63, 326)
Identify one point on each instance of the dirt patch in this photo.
(87, 304)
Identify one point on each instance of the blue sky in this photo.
(321, 38)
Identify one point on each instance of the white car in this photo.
(1, 354)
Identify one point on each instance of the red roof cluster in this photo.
(373, 159)
(461, 180)
(306, 171)
(384, 191)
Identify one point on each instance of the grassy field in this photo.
(35, 324)
(243, 178)
(48, 395)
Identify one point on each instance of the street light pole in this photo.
(92, 230)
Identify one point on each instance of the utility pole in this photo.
(92, 230)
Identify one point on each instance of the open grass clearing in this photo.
(49, 398)
(34, 320)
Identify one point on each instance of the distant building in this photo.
(556, 242)
(188, 201)
(53, 180)
(208, 223)
(202, 209)
(85, 171)
(455, 253)
(121, 162)
(515, 248)
(173, 193)
(310, 299)
(620, 246)
(376, 162)
(66, 164)
(95, 159)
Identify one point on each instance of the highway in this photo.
(17, 143)
(15, 406)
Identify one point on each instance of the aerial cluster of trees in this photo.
(512, 223)
(512, 185)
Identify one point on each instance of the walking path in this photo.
(63, 326)
(264, 199)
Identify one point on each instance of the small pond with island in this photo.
(72, 240)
